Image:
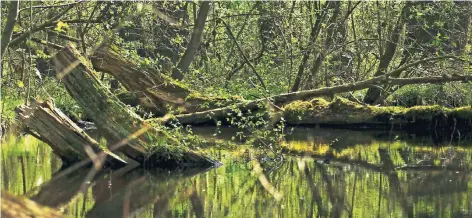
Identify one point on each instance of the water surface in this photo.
(337, 173)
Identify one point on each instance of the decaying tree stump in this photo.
(66, 139)
(146, 144)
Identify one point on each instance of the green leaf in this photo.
(20, 84)
(468, 48)
(139, 7)
(61, 26)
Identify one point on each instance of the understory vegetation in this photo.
(223, 53)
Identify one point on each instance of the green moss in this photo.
(384, 114)
(464, 113)
(298, 107)
(197, 96)
(423, 112)
(340, 103)
(174, 82)
(319, 102)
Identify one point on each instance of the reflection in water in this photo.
(366, 176)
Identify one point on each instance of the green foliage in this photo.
(448, 95)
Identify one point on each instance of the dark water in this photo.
(339, 174)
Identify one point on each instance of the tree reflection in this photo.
(372, 179)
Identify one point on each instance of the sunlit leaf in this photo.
(61, 26)
(20, 84)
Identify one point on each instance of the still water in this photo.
(337, 173)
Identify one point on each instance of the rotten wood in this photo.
(67, 140)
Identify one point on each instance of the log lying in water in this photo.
(345, 114)
(66, 139)
(342, 112)
(152, 90)
(14, 207)
(121, 127)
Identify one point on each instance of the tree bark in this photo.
(148, 145)
(192, 48)
(9, 26)
(65, 138)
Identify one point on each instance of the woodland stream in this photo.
(341, 173)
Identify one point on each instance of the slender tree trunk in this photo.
(9, 26)
(192, 48)
(315, 31)
(373, 94)
(329, 40)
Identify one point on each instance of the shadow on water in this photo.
(369, 174)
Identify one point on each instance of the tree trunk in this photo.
(192, 48)
(8, 30)
(153, 90)
(65, 138)
(373, 94)
(148, 145)
(331, 37)
(315, 31)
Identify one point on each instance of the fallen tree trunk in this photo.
(156, 92)
(305, 95)
(142, 142)
(66, 139)
(152, 90)
(346, 114)
(280, 100)
(342, 112)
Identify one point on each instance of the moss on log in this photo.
(341, 112)
(66, 139)
(21, 207)
(146, 144)
(154, 91)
